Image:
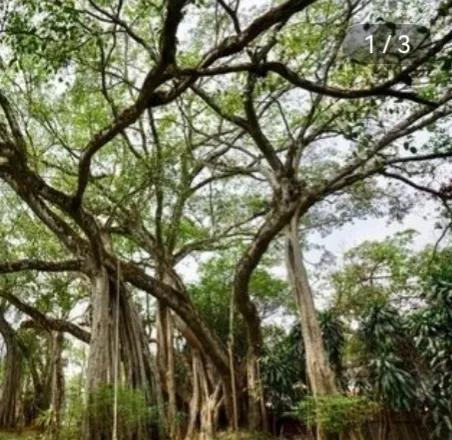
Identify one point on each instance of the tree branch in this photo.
(46, 322)
(40, 265)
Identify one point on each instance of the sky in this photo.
(352, 234)
(422, 219)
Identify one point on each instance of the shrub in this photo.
(336, 413)
(243, 435)
(133, 410)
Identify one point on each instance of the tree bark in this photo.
(98, 421)
(10, 401)
(231, 345)
(135, 361)
(194, 406)
(167, 367)
(57, 386)
(320, 375)
(203, 335)
(135, 354)
(256, 408)
(210, 401)
(285, 201)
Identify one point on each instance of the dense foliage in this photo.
(169, 169)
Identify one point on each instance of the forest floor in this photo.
(15, 436)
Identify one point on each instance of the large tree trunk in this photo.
(321, 376)
(100, 369)
(10, 400)
(135, 370)
(256, 407)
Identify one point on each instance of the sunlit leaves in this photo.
(45, 31)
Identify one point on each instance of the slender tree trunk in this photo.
(41, 378)
(135, 354)
(228, 400)
(171, 379)
(207, 398)
(321, 376)
(211, 393)
(263, 409)
(224, 376)
(256, 410)
(384, 426)
(166, 363)
(10, 400)
(194, 406)
(57, 385)
(231, 345)
(167, 367)
(159, 400)
(139, 370)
